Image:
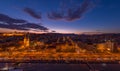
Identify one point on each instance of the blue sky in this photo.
(104, 17)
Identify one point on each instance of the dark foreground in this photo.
(61, 67)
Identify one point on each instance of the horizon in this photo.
(9, 31)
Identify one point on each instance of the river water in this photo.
(61, 67)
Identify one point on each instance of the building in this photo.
(65, 47)
(26, 41)
(108, 46)
(101, 47)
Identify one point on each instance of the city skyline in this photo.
(92, 15)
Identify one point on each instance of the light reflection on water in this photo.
(60, 67)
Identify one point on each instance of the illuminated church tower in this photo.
(26, 41)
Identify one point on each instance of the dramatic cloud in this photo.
(72, 12)
(18, 24)
(9, 20)
(32, 13)
(77, 13)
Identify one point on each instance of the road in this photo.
(36, 56)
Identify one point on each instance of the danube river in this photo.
(59, 67)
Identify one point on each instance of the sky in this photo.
(66, 16)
